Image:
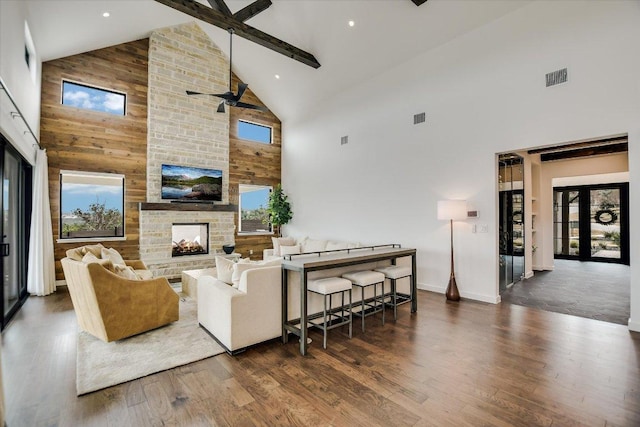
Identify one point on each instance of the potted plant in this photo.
(279, 209)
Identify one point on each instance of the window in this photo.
(93, 98)
(29, 52)
(91, 205)
(254, 200)
(254, 132)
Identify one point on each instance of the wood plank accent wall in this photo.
(252, 163)
(84, 140)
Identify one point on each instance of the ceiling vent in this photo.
(556, 77)
(419, 118)
(344, 140)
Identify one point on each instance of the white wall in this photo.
(16, 76)
(483, 93)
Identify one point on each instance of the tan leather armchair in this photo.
(111, 307)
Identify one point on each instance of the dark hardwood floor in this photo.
(450, 364)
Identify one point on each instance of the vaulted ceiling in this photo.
(385, 34)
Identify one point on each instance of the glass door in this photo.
(511, 219)
(591, 223)
(605, 223)
(14, 206)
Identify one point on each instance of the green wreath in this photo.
(605, 216)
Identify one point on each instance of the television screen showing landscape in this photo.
(187, 183)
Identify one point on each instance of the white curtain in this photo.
(41, 279)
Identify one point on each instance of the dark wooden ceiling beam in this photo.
(220, 20)
(585, 152)
(575, 145)
(252, 10)
(418, 2)
(220, 6)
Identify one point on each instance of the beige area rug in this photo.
(100, 365)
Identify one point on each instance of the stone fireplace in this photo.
(184, 131)
(188, 239)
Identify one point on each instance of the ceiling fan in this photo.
(229, 97)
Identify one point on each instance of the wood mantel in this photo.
(207, 207)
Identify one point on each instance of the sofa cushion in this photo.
(113, 255)
(281, 241)
(224, 269)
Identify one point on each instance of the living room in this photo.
(483, 93)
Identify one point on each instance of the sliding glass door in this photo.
(591, 223)
(14, 234)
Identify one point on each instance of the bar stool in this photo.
(328, 287)
(364, 279)
(393, 273)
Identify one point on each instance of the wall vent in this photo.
(556, 77)
(419, 118)
(344, 140)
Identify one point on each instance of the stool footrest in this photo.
(400, 298)
(333, 322)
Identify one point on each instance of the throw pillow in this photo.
(311, 245)
(281, 241)
(289, 250)
(335, 246)
(90, 258)
(76, 253)
(239, 268)
(114, 256)
(94, 249)
(126, 272)
(224, 269)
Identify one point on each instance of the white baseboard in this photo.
(60, 283)
(634, 325)
(467, 295)
(528, 274)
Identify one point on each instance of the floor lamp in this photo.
(452, 210)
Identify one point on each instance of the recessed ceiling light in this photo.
(106, 14)
(352, 23)
(277, 76)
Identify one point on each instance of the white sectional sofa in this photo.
(250, 313)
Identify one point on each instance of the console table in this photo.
(305, 263)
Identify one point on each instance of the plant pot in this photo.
(228, 249)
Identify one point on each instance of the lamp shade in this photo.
(452, 209)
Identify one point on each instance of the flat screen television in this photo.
(190, 184)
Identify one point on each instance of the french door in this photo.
(591, 222)
(15, 210)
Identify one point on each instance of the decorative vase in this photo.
(228, 249)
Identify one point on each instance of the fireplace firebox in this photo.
(189, 239)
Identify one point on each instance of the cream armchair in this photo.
(111, 307)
